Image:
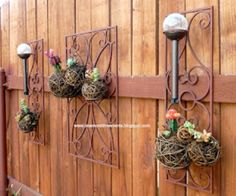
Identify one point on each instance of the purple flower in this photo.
(53, 59)
(49, 53)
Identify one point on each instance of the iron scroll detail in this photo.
(90, 133)
(194, 71)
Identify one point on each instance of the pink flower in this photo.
(49, 53)
(53, 59)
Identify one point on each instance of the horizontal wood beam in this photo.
(153, 87)
(15, 186)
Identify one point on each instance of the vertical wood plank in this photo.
(33, 149)
(15, 24)
(144, 111)
(69, 170)
(85, 168)
(54, 11)
(122, 178)
(228, 59)
(204, 53)
(44, 151)
(102, 175)
(5, 39)
(23, 138)
(165, 8)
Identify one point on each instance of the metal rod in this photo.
(26, 90)
(3, 146)
(175, 72)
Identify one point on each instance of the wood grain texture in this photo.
(228, 59)
(33, 149)
(84, 168)
(5, 39)
(44, 151)
(102, 175)
(69, 163)
(203, 50)
(122, 178)
(151, 87)
(166, 7)
(144, 63)
(54, 11)
(51, 170)
(15, 24)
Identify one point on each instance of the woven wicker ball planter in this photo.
(75, 76)
(94, 90)
(172, 153)
(204, 153)
(28, 121)
(59, 87)
(183, 135)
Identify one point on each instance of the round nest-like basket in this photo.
(28, 121)
(172, 153)
(59, 87)
(183, 135)
(94, 90)
(204, 153)
(75, 76)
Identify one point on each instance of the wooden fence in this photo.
(49, 169)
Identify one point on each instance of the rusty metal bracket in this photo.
(36, 89)
(192, 71)
(99, 144)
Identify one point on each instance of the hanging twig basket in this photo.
(75, 76)
(59, 87)
(28, 121)
(172, 153)
(204, 153)
(184, 135)
(94, 90)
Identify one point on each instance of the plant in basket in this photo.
(75, 73)
(204, 150)
(56, 82)
(26, 119)
(170, 151)
(94, 87)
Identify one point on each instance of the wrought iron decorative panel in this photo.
(90, 132)
(36, 89)
(195, 69)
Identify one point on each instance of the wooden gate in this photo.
(49, 169)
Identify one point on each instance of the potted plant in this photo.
(26, 119)
(56, 82)
(75, 74)
(94, 87)
(204, 150)
(170, 151)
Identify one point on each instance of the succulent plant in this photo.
(71, 62)
(23, 106)
(94, 74)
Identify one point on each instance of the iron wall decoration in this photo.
(192, 66)
(36, 89)
(90, 132)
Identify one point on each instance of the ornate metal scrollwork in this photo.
(95, 139)
(36, 89)
(194, 73)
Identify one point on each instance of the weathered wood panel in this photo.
(228, 111)
(49, 169)
(144, 63)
